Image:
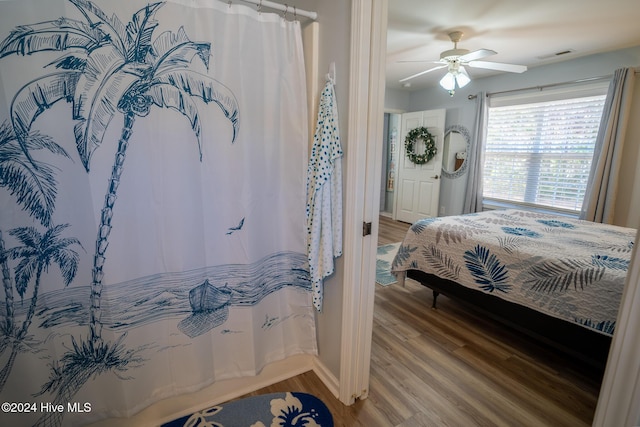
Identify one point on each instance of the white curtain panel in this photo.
(152, 201)
(473, 194)
(602, 187)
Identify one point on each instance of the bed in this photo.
(556, 278)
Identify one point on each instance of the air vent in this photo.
(557, 54)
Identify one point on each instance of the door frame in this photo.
(363, 173)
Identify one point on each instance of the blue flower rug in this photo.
(384, 258)
(276, 409)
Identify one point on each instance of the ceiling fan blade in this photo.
(421, 73)
(404, 61)
(477, 54)
(510, 68)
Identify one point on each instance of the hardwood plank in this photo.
(390, 231)
(422, 419)
(542, 410)
(463, 388)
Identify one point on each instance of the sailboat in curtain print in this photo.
(108, 68)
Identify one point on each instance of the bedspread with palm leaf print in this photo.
(567, 268)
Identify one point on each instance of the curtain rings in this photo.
(286, 10)
(295, 14)
(259, 8)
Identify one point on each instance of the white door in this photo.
(418, 186)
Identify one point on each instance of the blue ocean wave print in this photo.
(158, 297)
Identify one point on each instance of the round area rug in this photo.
(289, 409)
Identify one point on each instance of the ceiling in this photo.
(525, 32)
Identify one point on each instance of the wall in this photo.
(335, 26)
(461, 111)
(396, 100)
(334, 38)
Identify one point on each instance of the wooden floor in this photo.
(453, 367)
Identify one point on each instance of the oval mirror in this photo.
(457, 143)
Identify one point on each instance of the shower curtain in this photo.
(152, 202)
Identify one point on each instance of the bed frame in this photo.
(589, 346)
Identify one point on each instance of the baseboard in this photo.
(327, 377)
(218, 392)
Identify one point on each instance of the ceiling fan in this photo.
(455, 59)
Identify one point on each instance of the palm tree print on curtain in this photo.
(108, 68)
(120, 69)
(33, 186)
(146, 253)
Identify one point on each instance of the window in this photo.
(540, 147)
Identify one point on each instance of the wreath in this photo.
(430, 149)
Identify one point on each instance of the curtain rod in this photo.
(588, 79)
(283, 8)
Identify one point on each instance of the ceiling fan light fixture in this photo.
(462, 78)
(456, 75)
(448, 82)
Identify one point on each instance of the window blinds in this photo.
(540, 153)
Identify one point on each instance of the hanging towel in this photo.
(324, 195)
